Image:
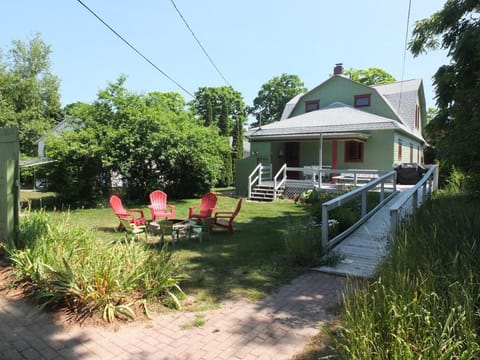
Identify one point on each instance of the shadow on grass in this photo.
(251, 262)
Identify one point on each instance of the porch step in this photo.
(265, 193)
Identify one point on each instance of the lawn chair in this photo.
(225, 218)
(133, 216)
(134, 230)
(167, 229)
(202, 229)
(158, 206)
(205, 209)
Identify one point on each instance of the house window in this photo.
(411, 152)
(353, 151)
(417, 117)
(399, 152)
(312, 105)
(362, 100)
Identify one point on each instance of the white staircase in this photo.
(261, 187)
(266, 192)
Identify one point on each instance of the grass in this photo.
(424, 302)
(250, 263)
(198, 321)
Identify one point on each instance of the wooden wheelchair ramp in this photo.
(364, 249)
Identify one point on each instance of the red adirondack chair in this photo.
(205, 209)
(225, 218)
(158, 206)
(134, 216)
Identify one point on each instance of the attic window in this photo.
(362, 100)
(312, 105)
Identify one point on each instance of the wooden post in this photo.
(9, 184)
(324, 226)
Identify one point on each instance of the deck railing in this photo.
(279, 180)
(255, 178)
(390, 178)
(414, 198)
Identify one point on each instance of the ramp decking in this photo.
(365, 248)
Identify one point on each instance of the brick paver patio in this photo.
(277, 327)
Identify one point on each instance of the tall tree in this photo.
(455, 28)
(30, 96)
(273, 96)
(209, 114)
(217, 96)
(237, 141)
(370, 76)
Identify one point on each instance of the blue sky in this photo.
(251, 41)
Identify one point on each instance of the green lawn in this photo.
(251, 262)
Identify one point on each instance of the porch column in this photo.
(334, 158)
(320, 160)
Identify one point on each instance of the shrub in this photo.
(425, 300)
(303, 242)
(68, 266)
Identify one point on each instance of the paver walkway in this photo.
(276, 328)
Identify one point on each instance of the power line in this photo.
(198, 42)
(135, 49)
(404, 53)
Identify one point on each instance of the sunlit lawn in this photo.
(251, 262)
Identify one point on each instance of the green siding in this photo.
(243, 169)
(377, 153)
(262, 150)
(339, 89)
(409, 146)
(309, 153)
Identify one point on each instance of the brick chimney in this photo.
(338, 69)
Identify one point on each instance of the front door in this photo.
(292, 158)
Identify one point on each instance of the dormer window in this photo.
(312, 105)
(362, 100)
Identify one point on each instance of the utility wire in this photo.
(199, 43)
(404, 53)
(135, 49)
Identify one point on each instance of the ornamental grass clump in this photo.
(66, 266)
(425, 302)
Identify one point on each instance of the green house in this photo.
(343, 124)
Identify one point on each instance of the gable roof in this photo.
(402, 97)
(287, 110)
(336, 118)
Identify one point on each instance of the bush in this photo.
(425, 301)
(68, 266)
(303, 243)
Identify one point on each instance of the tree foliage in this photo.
(456, 126)
(147, 139)
(208, 105)
(273, 96)
(30, 96)
(370, 76)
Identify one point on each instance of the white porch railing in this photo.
(390, 177)
(353, 177)
(409, 203)
(259, 174)
(254, 178)
(279, 180)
